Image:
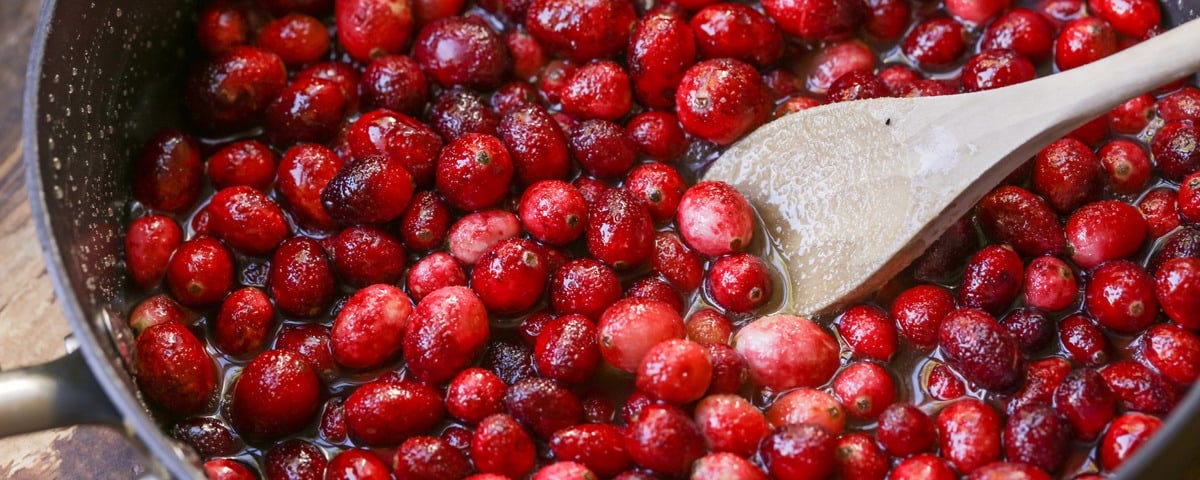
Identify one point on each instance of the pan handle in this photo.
(57, 393)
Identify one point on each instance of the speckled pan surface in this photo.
(102, 78)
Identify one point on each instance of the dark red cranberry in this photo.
(539, 148)
(312, 342)
(429, 458)
(722, 99)
(1086, 402)
(1067, 174)
(247, 220)
(1031, 327)
(859, 458)
(808, 406)
(301, 280)
(816, 20)
(1120, 296)
(298, 39)
(729, 369)
(1084, 40)
(799, 451)
(996, 68)
(447, 331)
(977, 346)
(1103, 231)
(366, 255)
(276, 394)
(941, 261)
(1013, 215)
(295, 459)
(1173, 351)
(1139, 388)
(657, 135)
(969, 434)
(383, 413)
(370, 190)
(462, 51)
(200, 272)
(919, 311)
(512, 361)
(1083, 340)
(992, 279)
(173, 370)
(302, 175)
(399, 138)
(1160, 210)
(581, 30)
(357, 464)
(620, 230)
(1184, 242)
(857, 85)
(935, 43)
(664, 440)
(631, 327)
(785, 351)
(566, 349)
(456, 112)
(737, 31)
(731, 423)
(1035, 434)
(230, 91)
(904, 430)
(502, 447)
(395, 82)
(244, 322)
(149, 243)
(210, 437)
(676, 262)
(371, 28)
(370, 327)
(602, 148)
(528, 55)
(1126, 435)
(222, 26)
(1182, 104)
(169, 172)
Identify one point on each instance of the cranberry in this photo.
(923, 467)
(247, 220)
(857, 85)
(528, 55)
(836, 60)
(732, 30)
(295, 459)
(1173, 351)
(729, 369)
(302, 175)
(1103, 231)
(581, 30)
(474, 172)
(332, 425)
(1174, 149)
(935, 43)
(312, 342)
(149, 243)
(816, 20)
(537, 144)
(943, 384)
(173, 370)
(919, 312)
(566, 349)
(276, 395)
(659, 187)
(865, 389)
(1182, 104)
(665, 440)
(976, 12)
(1008, 471)
(209, 436)
(887, 19)
(584, 286)
(1120, 296)
(543, 405)
(1084, 40)
(808, 406)
(342, 74)
(1036, 435)
(229, 92)
(675, 371)
(476, 233)
(461, 51)
(720, 100)
(448, 329)
(456, 112)
(868, 332)
(371, 190)
(301, 279)
(708, 326)
(1127, 166)
(1160, 210)
(731, 424)
(370, 28)
(620, 230)
(631, 327)
(1188, 202)
(785, 351)
(799, 451)
(1126, 435)
(977, 346)
(859, 458)
(715, 219)
(657, 135)
(992, 279)
(169, 172)
(244, 321)
(395, 82)
(357, 464)
(599, 447)
(739, 282)
(370, 327)
(501, 446)
(602, 148)
(553, 211)
(969, 434)
(597, 90)
(1177, 288)
(152, 311)
(905, 430)
(1031, 327)
(222, 26)
(721, 465)
(1129, 18)
(1067, 174)
(200, 272)
(367, 255)
(1184, 242)
(1139, 388)
(1085, 401)
(1132, 116)
(1050, 284)
(298, 39)
(429, 458)
(1083, 340)
(1023, 31)
(996, 68)
(661, 48)
(245, 162)
(398, 138)
(382, 413)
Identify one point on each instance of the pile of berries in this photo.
(424, 239)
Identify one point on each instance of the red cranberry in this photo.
(865, 389)
(357, 464)
(371, 28)
(152, 311)
(731, 423)
(1129, 18)
(675, 371)
(581, 30)
(992, 279)
(276, 395)
(996, 68)
(1132, 116)
(1177, 288)
(868, 332)
(200, 272)
(857, 85)
(528, 55)
(1126, 435)
(537, 144)
(456, 112)
(919, 312)
(1085, 401)
(247, 220)
(295, 459)
(222, 26)
(474, 172)
(382, 413)
(620, 231)
(307, 110)
(432, 273)
(302, 175)
(808, 406)
(1084, 40)
(1035, 434)
(566, 349)
(342, 74)
(301, 279)
(209, 436)
(553, 211)
(665, 440)
(816, 20)
(1188, 202)
(510, 277)
(720, 100)
(935, 43)
(1173, 351)
(661, 48)
(1120, 296)
(230, 91)
(739, 283)
(1182, 104)
(502, 447)
(370, 327)
(835, 61)
(597, 90)
(371, 190)
(943, 384)
(1083, 340)
(629, 328)
(658, 135)
(298, 39)
(602, 148)
(651, 288)
(729, 369)
(1067, 174)
(887, 19)
(456, 51)
(367, 255)
(429, 458)
(169, 172)
(859, 458)
(1139, 388)
(1008, 471)
(1184, 242)
(584, 286)
(399, 138)
(449, 328)
(173, 370)
(905, 430)
(543, 405)
(659, 187)
(1160, 210)
(1103, 231)
(923, 467)
(969, 434)
(245, 162)
(312, 342)
(1050, 284)
(737, 31)
(785, 351)
(676, 262)
(721, 465)
(801, 451)
(1127, 166)
(715, 219)
(1031, 327)
(149, 243)
(599, 447)
(977, 346)
(395, 82)
(244, 321)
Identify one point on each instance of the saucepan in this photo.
(103, 77)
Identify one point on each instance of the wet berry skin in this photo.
(230, 92)
(169, 172)
(785, 351)
(173, 370)
(981, 349)
(474, 172)
(382, 413)
(580, 29)
(301, 279)
(370, 328)
(969, 434)
(200, 272)
(665, 440)
(721, 100)
(276, 395)
(447, 330)
(801, 451)
(149, 243)
(620, 230)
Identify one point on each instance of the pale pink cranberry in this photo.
(433, 272)
(731, 424)
(477, 232)
(715, 219)
(723, 465)
(631, 327)
(1050, 284)
(785, 351)
(369, 330)
(447, 330)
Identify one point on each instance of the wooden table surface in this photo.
(32, 328)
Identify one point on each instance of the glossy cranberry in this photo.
(303, 174)
(925, 467)
(395, 82)
(430, 458)
(1083, 340)
(672, 259)
(904, 430)
(275, 395)
(332, 426)
(868, 332)
(210, 437)
(302, 278)
(476, 233)
(1184, 242)
(887, 19)
(229, 92)
(247, 220)
(1174, 149)
(222, 26)
(149, 243)
(1086, 402)
(543, 405)
(664, 440)
(581, 30)
(357, 464)
(456, 112)
(367, 255)
(659, 186)
(1067, 174)
(501, 446)
(553, 211)
(597, 90)
(721, 465)
(732, 30)
(602, 148)
(447, 331)
(384, 413)
(865, 389)
(1127, 166)
(245, 162)
(1050, 284)
(992, 279)
(311, 341)
(173, 370)
(785, 351)
(800, 451)
(1126, 436)
(836, 60)
(1132, 116)
(731, 423)
(996, 68)
(298, 39)
(1177, 288)
(739, 283)
(527, 54)
(1121, 297)
(510, 277)
(816, 20)
(461, 51)
(295, 459)
(715, 219)
(969, 434)
(808, 406)
(433, 272)
(1139, 388)
(729, 369)
(599, 447)
(157, 309)
(857, 85)
(370, 327)
(243, 324)
(566, 349)
(584, 286)
(629, 328)
(343, 75)
(943, 384)
(708, 326)
(657, 135)
(1182, 104)
(919, 311)
(1008, 471)
(1032, 328)
(859, 458)
(977, 346)
(976, 12)
(200, 272)
(1035, 434)
(675, 371)
(935, 43)
(1083, 41)
(620, 230)
(1160, 210)
(537, 144)
(1103, 231)
(371, 28)
(474, 172)
(720, 100)
(1172, 351)
(169, 172)
(371, 190)
(1129, 18)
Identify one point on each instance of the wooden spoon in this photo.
(853, 192)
